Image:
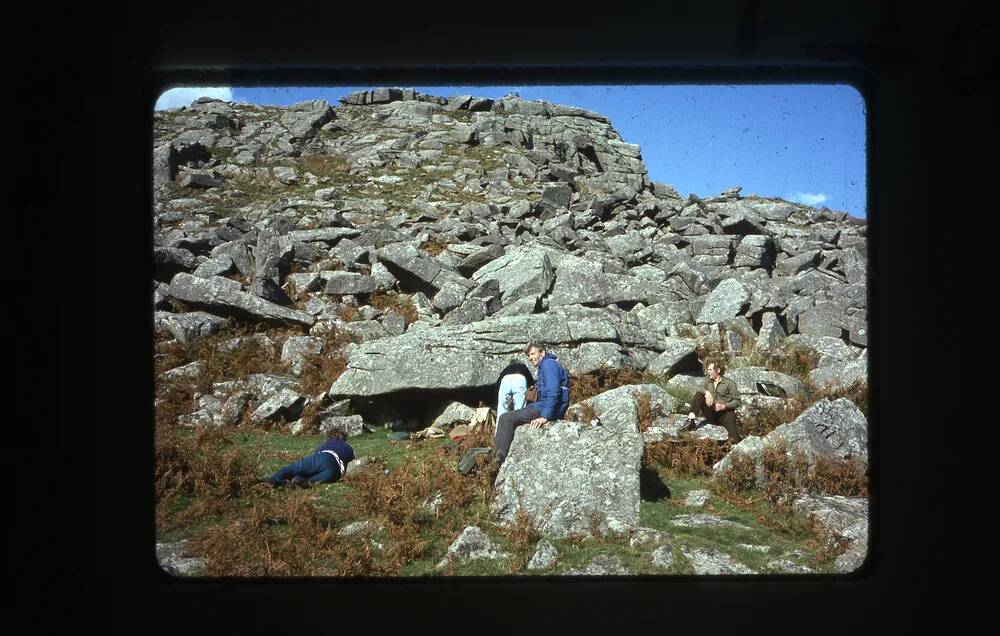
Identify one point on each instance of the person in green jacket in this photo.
(718, 402)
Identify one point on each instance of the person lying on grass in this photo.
(326, 465)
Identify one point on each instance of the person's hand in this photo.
(538, 422)
(709, 400)
(720, 406)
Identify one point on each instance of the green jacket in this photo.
(727, 392)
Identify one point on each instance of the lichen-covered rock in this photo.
(702, 520)
(772, 335)
(574, 478)
(189, 326)
(663, 557)
(284, 403)
(176, 559)
(787, 566)
(647, 536)
(544, 557)
(522, 272)
(454, 413)
(679, 353)
(713, 561)
(473, 543)
(845, 517)
(296, 348)
(833, 429)
(350, 425)
(696, 498)
(746, 379)
(601, 565)
(471, 356)
(727, 300)
(187, 371)
(841, 373)
(219, 294)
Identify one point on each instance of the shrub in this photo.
(584, 387)
(838, 477)
(522, 536)
(320, 370)
(433, 247)
(688, 458)
(283, 534)
(202, 464)
(644, 410)
(761, 420)
(392, 301)
(741, 475)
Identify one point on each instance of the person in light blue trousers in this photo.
(512, 384)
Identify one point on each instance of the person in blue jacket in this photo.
(327, 464)
(553, 400)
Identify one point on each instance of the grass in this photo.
(207, 491)
(245, 529)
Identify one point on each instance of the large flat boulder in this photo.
(470, 356)
(602, 289)
(220, 294)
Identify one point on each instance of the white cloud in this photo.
(807, 198)
(185, 95)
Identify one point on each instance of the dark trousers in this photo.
(726, 418)
(320, 467)
(506, 425)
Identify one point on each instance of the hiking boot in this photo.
(300, 481)
(690, 424)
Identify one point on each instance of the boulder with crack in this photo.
(833, 429)
(522, 272)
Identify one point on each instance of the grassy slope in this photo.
(274, 449)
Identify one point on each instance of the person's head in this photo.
(715, 369)
(535, 352)
(336, 434)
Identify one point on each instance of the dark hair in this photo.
(336, 434)
(718, 365)
(533, 345)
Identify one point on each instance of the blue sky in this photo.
(803, 143)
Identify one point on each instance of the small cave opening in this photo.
(416, 409)
(591, 155)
